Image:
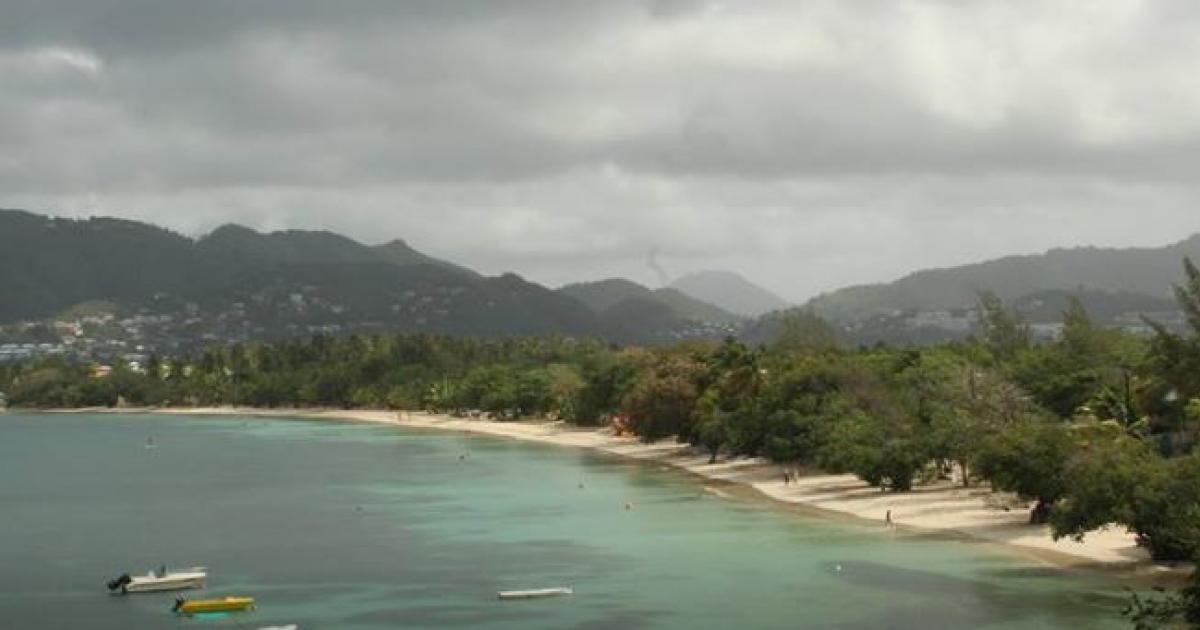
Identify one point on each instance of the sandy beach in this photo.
(944, 508)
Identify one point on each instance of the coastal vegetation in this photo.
(1095, 429)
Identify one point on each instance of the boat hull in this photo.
(227, 604)
(535, 593)
(156, 582)
(158, 585)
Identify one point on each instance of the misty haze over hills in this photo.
(237, 284)
(731, 292)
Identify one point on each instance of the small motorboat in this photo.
(160, 580)
(536, 593)
(224, 604)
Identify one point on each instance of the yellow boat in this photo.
(226, 604)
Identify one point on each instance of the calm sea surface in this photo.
(357, 526)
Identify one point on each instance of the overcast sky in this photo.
(807, 145)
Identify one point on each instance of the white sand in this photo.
(976, 512)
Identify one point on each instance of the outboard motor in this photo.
(179, 602)
(120, 583)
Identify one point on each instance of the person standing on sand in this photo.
(887, 519)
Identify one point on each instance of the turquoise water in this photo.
(356, 526)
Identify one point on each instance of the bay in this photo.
(339, 525)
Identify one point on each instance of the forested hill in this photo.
(268, 285)
(629, 311)
(47, 265)
(603, 295)
(1146, 272)
(237, 284)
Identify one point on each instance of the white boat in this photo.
(536, 593)
(161, 580)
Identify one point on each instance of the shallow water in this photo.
(356, 526)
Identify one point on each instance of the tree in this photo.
(1029, 458)
(606, 379)
(564, 386)
(732, 384)
(863, 445)
(661, 402)
(1166, 516)
(1170, 376)
(1124, 482)
(1088, 372)
(791, 436)
(1187, 295)
(952, 401)
(711, 431)
(802, 330)
(532, 395)
(1003, 332)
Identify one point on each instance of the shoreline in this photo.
(943, 509)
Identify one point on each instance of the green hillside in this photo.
(604, 295)
(1144, 271)
(278, 283)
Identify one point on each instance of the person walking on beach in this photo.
(887, 519)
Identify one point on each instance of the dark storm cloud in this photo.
(568, 139)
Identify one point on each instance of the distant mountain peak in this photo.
(231, 229)
(399, 252)
(730, 291)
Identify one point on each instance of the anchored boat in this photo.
(161, 580)
(536, 593)
(225, 604)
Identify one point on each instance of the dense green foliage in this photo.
(1167, 611)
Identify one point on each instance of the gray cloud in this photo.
(808, 144)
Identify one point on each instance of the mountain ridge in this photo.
(1148, 271)
(238, 284)
(603, 295)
